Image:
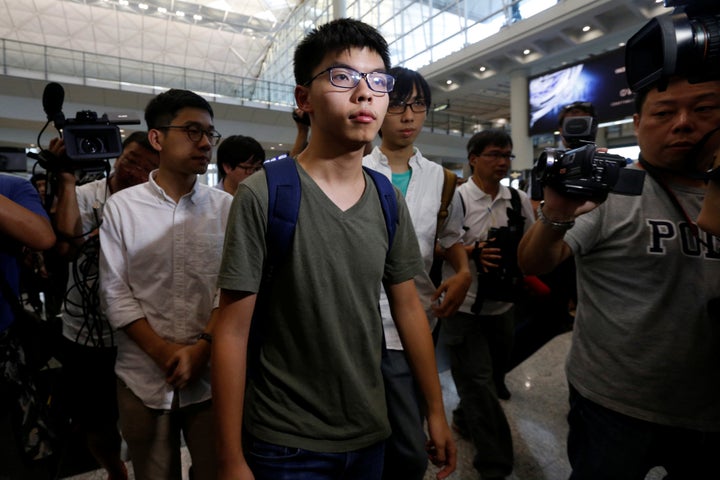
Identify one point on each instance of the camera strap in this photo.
(654, 173)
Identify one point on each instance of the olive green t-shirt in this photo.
(319, 385)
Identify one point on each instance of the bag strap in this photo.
(516, 221)
(283, 184)
(448, 190)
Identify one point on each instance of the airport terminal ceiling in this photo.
(467, 49)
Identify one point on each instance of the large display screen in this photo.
(599, 80)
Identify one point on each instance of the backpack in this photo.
(284, 205)
(284, 192)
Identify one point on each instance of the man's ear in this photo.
(154, 139)
(302, 98)
(471, 160)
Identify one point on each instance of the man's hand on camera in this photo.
(563, 208)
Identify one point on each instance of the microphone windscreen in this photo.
(53, 98)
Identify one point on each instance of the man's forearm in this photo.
(68, 211)
(228, 374)
(542, 249)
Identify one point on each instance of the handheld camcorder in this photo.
(685, 43)
(586, 173)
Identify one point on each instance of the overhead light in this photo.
(197, 17)
(527, 51)
(180, 13)
(586, 28)
(124, 3)
(448, 82)
(162, 10)
(143, 6)
(439, 107)
(483, 68)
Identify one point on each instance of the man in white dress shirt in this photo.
(161, 244)
(421, 183)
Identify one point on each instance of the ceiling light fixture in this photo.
(439, 107)
(483, 68)
(527, 51)
(143, 6)
(586, 28)
(124, 3)
(180, 13)
(448, 82)
(197, 17)
(162, 10)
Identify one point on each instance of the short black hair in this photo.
(479, 141)
(141, 138)
(163, 108)
(333, 37)
(405, 80)
(583, 106)
(237, 149)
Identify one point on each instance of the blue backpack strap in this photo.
(283, 184)
(386, 191)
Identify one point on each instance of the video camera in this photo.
(685, 43)
(586, 173)
(90, 140)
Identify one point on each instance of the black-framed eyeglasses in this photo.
(250, 169)
(346, 77)
(399, 107)
(498, 156)
(195, 134)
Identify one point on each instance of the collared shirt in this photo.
(424, 195)
(160, 260)
(482, 213)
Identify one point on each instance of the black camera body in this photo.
(686, 43)
(89, 137)
(584, 172)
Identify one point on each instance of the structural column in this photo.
(520, 117)
(339, 9)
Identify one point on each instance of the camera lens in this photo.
(91, 145)
(544, 164)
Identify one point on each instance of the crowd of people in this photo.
(322, 339)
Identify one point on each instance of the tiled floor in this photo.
(536, 413)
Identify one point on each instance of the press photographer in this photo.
(88, 341)
(480, 335)
(642, 367)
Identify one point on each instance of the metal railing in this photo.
(42, 62)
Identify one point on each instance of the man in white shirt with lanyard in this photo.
(479, 336)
